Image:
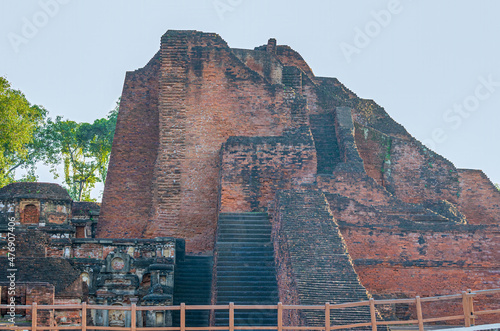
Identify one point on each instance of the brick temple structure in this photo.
(284, 186)
(57, 260)
(207, 133)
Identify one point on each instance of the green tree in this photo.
(20, 134)
(497, 186)
(83, 149)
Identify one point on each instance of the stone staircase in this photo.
(325, 141)
(319, 258)
(193, 284)
(245, 268)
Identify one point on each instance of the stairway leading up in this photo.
(245, 268)
(325, 141)
(319, 258)
(193, 284)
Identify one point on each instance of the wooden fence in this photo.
(467, 301)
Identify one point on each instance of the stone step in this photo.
(246, 269)
(245, 258)
(256, 274)
(242, 240)
(249, 301)
(250, 319)
(246, 253)
(237, 226)
(255, 299)
(193, 286)
(228, 281)
(255, 247)
(236, 283)
(250, 245)
(188, 287)
(192, 272)
(245, 232)
(245, 221)
(243, 215)
(245, 237)
(245, 265)
(248, 287)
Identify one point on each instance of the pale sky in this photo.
(433, 65)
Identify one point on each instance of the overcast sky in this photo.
(433, 65)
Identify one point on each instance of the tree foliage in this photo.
(20, 129)
(83, 149)
(28, 137)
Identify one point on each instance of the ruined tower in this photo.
(205, 129)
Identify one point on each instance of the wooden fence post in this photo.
(419, 314)
(327, 316)
(465, 304)
(280, 316)
(471, 307)
(133, 317)
(231, 316)
(84, 316)
(373, 314)
(33, 316)
(183, 316)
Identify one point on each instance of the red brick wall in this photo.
(394, 263)
(127, 194)
(42, 294)
(289, 57)
(399, 281)
(54, 211)
(166, 166)
(312, 262)
(398, 258)
(253, 169)
(406, 168)
(479, 198)
(30, 214)
(94, 251)
(374, 148)
(207, 95)
(285, 275)
(356, 186)
(451, 248)
(414, 174)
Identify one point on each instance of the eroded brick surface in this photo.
(313, 264)
(128, 190)
(479, 198)
(249, 173)
(205, 128)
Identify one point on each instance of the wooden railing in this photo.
(467, 302)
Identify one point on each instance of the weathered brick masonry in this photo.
(129, 183)
(206, 95)
(250, 176)
(479, 197)
(313, 264)
(204, 128)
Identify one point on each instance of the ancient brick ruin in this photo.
(284, 187)
(206, 130)
(59, 261)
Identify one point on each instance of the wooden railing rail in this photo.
(467, 302)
